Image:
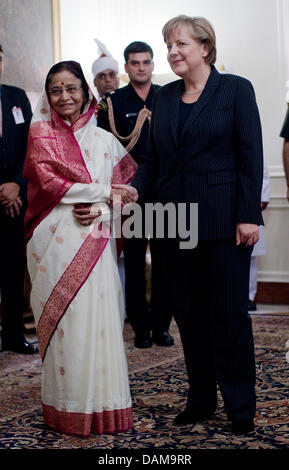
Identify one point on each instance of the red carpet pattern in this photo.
(158, 386)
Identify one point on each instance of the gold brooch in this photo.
(102, 106)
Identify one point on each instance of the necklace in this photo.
(192, 92)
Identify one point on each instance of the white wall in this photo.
(247, 33)
(252, 36)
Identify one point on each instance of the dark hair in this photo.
(136, 46)
(1, 48)
(75, 69)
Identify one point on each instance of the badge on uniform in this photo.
(102, 106)
(18, 115)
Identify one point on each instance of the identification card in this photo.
(18, 115)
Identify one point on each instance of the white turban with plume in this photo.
(226, 68)
(105, 61)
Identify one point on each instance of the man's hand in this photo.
(248, 234)
(122, 193)
(264, 205)
(86, 215)
(9, 193)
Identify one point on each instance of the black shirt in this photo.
(184, 112)
(126, 106)
(285, 129)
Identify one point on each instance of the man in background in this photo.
(105, 72)
(15, 116)
(126, 104)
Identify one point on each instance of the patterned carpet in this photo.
(158, 386)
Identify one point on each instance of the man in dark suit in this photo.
(15, 116)
(205, 147)
(127, 103)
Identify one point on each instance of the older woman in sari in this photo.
(76, 292)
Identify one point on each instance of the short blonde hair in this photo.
(200, 29)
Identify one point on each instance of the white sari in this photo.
(76, 292)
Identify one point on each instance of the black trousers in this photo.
(143, 316)
(208, 288)
(12, 268)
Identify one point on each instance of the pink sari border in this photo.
(123, 173)
(34, 223)
(67, 287)
(82, 424)
(69, 133)
(84, 118)
(49, 143)
(125, 170)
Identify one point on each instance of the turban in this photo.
(104, 62)
(226, 68)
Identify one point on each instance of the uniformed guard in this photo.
(126, 113)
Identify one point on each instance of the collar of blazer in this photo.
(207, 93)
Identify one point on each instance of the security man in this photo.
(15, 116)
(126, 113)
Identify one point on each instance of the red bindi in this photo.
(62, 83)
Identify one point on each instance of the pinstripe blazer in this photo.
(218, 160)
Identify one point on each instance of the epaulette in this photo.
(107, 94)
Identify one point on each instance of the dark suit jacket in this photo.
(217, 162)
(14, 136)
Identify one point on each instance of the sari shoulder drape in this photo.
(53, 163)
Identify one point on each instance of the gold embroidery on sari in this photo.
(125, 170)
